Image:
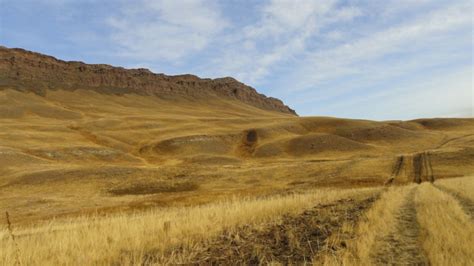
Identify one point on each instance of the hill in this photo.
(29, 71)
(78, 138)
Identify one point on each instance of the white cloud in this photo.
(280, 17)
(281, 34)
(351, 57)
(166, 29)
(307, 52)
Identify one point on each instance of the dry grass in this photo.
(407, 225)
(380, 221)
(414, 224)
(464, 186)
(67, 152)
(126, 239)
(74, 153)
(447, 231)
(12, 236)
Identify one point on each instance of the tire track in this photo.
(429, 167)
(396, 169)
(398, 166)
(403, 246)
(417, 168)
(466, 204)
(422, 168)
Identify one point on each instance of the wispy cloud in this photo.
(431, 44)
(353, 55)
(165, 29)
(328, 57)
(281, 33)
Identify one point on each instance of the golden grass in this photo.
(447, 231)
(67, 152)
(379, 222)
(464, 186)
(127, 238)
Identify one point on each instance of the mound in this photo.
(319, 143)
(194, 144)
(445, 123)
(385, 133)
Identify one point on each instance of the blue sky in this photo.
(374, 59)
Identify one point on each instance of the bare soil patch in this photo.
(293, 240)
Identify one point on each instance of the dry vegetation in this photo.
(132, 238)
(380, 224)
(76, 152)
(462, 187)
(102, 173)
(447, 231)
(153, 186)
(412, 224)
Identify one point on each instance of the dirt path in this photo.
(294, 240)
(422, 168)
(466, 204)
(398, 166)
(396, 169)
(428, 167)
(403, 246)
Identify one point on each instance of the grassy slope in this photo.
(443, 234)
(79, 152)
(82, 153)
(128, 238)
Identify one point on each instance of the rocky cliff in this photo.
(29, 71)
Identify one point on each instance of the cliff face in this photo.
(28, 71)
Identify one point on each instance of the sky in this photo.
(368, 59)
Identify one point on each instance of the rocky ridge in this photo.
(34, 72)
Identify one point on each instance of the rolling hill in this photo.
(78, 138)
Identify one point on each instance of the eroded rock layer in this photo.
(29, 71)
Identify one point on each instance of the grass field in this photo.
(416, 224)
(72, 153)
(409, 224)
(104, 179)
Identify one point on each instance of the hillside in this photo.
(29, 71)
(77, 138)
(135, 168)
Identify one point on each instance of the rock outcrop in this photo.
(29, 71)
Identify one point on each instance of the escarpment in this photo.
(33, 72)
